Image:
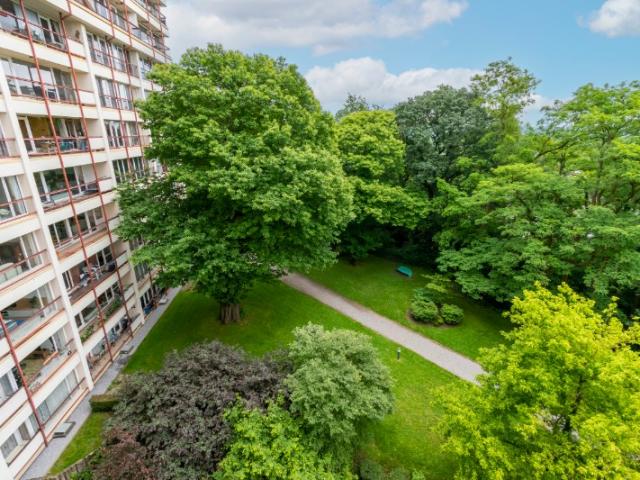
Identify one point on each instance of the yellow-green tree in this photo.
(560, 401)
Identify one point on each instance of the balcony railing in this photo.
(17, 26)
(124, 141)
(47, 145)
(14, 209)
(66, 247)
(46, 363)
(31, 88)
(110, 101)
(12, 273)
(107, 59)
(25, 322)
(99, 274)
(59, 198)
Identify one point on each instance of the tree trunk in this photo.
(229, 313)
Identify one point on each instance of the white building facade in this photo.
(70, 72)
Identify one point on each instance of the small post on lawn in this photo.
(398, 353)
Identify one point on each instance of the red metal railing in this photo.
(59, 198)
(124, 141)
(21, 329)
(98, 275)
(51, 365)
(12, 273)
(47, 145)
(88, 234)
(15, 208)
(32, 88)
(111, 101)
(108, 59)
(17, 26)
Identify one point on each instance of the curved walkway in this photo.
(445, 358)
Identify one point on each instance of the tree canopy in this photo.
(566, 210)
(338, 384)
(445, 131)
(253, 187)
(372, 156)
(272, 446)
(560, 400)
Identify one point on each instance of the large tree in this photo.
(566, 212)
(446, 133)
(561, 400)
(372, 155)
(252, 187)
(337, 386)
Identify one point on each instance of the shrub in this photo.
(371, 470)
(423, 309)
(338, 384)
(103, 403)
(451, 314)
(176, 414)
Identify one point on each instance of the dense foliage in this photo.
(372, 155)
(272, 446)
(562, 400)
(337, 386)
(176, 415)
(253, 187)
(564, 209)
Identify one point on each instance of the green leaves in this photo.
(270, 445)
(253, 186)
(338, 384)
(561, 401)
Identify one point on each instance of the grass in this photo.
(270, 314)
(375, 284)
(84, 442)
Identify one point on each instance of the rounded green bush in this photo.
(425, 311)
(451, 314)
(398, 474)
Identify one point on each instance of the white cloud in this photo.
(370, 78)
(617, 18)
(323, 25)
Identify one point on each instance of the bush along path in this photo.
(443, 357)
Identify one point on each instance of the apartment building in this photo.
(70, 72)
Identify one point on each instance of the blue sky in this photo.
(398, 48)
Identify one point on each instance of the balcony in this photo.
(111, 101)
(71, 245)
(25, 318)
(79, 191)
(108, 60)
(17, 26)
(84, 281)
(15, 269)
(44, 361)
(22, 87)
(125, 141)
(47, 145)
(15, 209)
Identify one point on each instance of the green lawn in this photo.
(85, 441)
(271, 312)
(375, 284)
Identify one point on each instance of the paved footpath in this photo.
(445, 358)
(50, 454)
